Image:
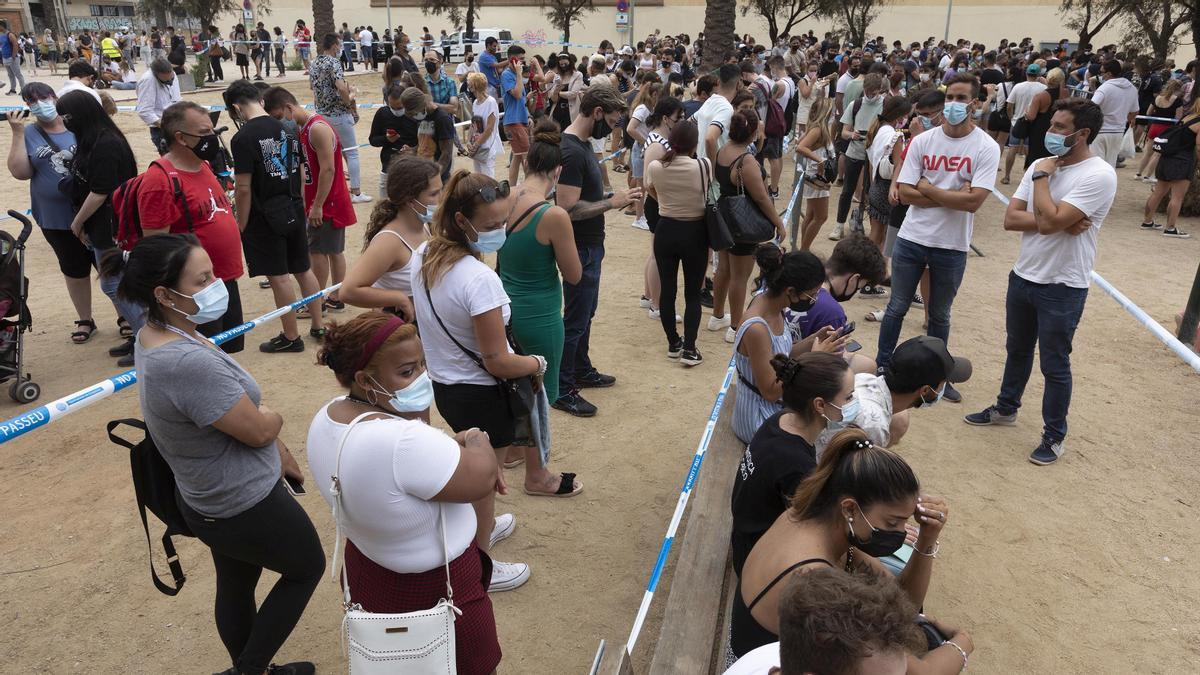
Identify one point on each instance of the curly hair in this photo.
(857, 254)
(829, 621)
(344, 343)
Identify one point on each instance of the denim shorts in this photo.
(635, 160)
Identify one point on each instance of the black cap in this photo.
(925, 361)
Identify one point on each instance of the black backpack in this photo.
(1177, 140)
(154, 486)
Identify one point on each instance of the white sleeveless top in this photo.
(401, 279)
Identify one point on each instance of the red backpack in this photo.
(776, 123)
(125, 206)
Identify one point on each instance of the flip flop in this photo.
(514, 464)
(1004, 181)
(123, 327)
(86, 330)
(565, 488)
(875, 317)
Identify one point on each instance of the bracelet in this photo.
(961, 652)
(541, 364)
(937, 546)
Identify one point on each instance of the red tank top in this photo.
(337, 205)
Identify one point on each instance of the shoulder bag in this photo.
(719, 238)
(412, 642)
(746, 222)
(998, 120)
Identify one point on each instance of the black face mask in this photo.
(846, 293)
(601, 128)
(882, 542)
(430, 67)
(207, 148)
(802, 305)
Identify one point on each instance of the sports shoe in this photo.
(730, 335)
(1047, 452)
(595, 380)
(773, 193)
(503, 529)
(264, 284)
(126, 361)
(360, 198)
(918, 301)
(331, 305)
(1150, 225)
(873, 292)
(281, 343)
(839, 231)
(1176, 233)
(706, 298)
(641, 224)
(644, 303)
(674, 349)
(990, 416)
(951, 394)
(716, 323)
(123, 349)
(294, 668)
(655, 314)
(507, 576)
(574, 404)
(691, 357)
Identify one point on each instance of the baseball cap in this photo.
(925, 361)
(1034, 69)
(626, 50)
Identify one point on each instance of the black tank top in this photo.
(724, 175)
(1168, 111)
(1037, 131)
(745, 633)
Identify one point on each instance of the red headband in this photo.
(381, 335)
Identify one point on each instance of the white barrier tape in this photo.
(613, 156)
(684, 494)
(45, 414)
(1189, 357)
(1165, 120)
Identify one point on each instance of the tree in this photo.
(1089, 17)
(1157, 24)
(855, 16)
(782, 15)
(459, 12)
(50, 16)
(719, 18)
(322, 21)
(562, 13)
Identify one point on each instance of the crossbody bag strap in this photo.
(335, 490)
(46, 137)
(741, 181)
(474, 357)
(517, 221)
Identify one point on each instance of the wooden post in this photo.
(1191, 314)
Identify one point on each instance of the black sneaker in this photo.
(873, 292)
(295, 668)
(918, 301)
(674, 349)
(595, 380)
(951, 394)
(691, 357)
(574, 404)
(123, 349)
(708, 284)
(125, 361)
(264, 284)
(281, 343)
(1047, 452)
(706, 298)
(1150, 225)
(1176, 233)
(331, 305)
(773, 193)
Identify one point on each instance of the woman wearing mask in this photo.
(1039, 114)
(539, 243)
(817, 389)
(667, 113)
(395, 522)
(485, 143)
(241, 49)
(1166, 104)
(206, 416)
(808, 89)
(280, 43)
(462, 303)
(816, 146)
(567, 88)
(103, 161)
(393, 73)
(382, 275)
(737, 172)
(643, 103)
(1175, 171)
(850, 511)
(885, 147)
(386, 126)
(790, 281)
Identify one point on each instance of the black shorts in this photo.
(841, 145)
(74, 259)
(742, 249)
(326, 239)
(475, 405)
(242, 60)
(269, 254)
(1173, 168)
(772, 147)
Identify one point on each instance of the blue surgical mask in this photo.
(416, 397)
(398, 112)
(488, 242)
(940, 392)
(211, 302)
(1057, 143)
(425, 212)
(419, 116)
(926, 122)
(44, 111)
(955, 112)
(849, 413)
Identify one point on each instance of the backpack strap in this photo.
(177, 191)
(177, 575)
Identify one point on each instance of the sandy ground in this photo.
(1084, 567)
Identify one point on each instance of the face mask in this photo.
(1057, 143)
(812, 74)
(291, 127)
(882, 542)
(924, 77)
(849, 413)
(419, 116)
(955, 112)
(848, 292)
(470, 59)
(45, 111)
(487, 242)
(874, 99)
(922, 403)
(601, 128)
(398, 112)
(926, 121)
(416, 397)
(430, 67)
(211, 302)
(207, 147)
(425, 213)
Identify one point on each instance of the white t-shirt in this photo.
(881, 148)
(465, 68)
(874, 413)
(640, 114)
(758, 661)
(716, 111)
(391, 469)
(789, 90)
(76, 85)
(466, 290)
(483, 109)
(1063, 258)
(1117, 97)
(1022, 95)
(366, 38)
(947, 163)
(842, 82)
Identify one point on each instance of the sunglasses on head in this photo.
(490, 193)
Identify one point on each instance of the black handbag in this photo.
(719, 238)
(998, 120)
(1020, 128)
(747, 223)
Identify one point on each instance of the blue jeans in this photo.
(343, 126)
(579, 306)
(1045, 315)
(909, 262)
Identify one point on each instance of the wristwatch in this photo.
(1039, 174)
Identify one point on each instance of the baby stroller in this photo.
(15, 319)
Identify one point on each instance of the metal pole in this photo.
(389, 16)
(632, 40)
(949, 8)
(794, 221)
(1191, 315)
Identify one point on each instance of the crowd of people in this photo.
(834, 542)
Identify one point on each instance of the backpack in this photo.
(125, 206)
(1175, 140)
(776, 124)
(154, 488)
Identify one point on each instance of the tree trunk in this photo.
(566, 30)
(50, 16)
(470, 27)
(322, 20)
(160, 17)
(719, 19)
(772, 29)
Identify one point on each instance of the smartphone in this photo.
(847, 329)
(294, 486)
(853, 346)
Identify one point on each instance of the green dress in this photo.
(529, 272)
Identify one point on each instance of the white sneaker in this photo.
(717, 323)
(730, 335)
(641, 224)
(838, 232)
(644, 303)
(655, 314)
(507, 576)
(360, 198)
(505, 524)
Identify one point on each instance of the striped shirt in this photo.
(750, 410)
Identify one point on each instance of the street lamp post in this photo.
(949, 9)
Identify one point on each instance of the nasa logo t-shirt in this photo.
(948, 163)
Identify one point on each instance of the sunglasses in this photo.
(490, 193)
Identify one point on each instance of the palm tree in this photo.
(322, 19)
(719, 18)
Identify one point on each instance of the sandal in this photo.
(86, 330)
(875, 317)
(1004, 181)
(318, 333)
(620, 168)
(514, 464)
(125, 329)
(566, 488)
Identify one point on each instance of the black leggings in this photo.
(274, 534)
(214, 63)
(675, 242)
(854, 170)
(232, 318)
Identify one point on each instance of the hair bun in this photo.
(547, 131)
(785, 367)
(769, 258)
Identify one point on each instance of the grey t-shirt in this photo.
(184, 388)
(867, 112)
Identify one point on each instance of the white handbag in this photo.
(420, 642)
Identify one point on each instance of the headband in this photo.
(381, 335)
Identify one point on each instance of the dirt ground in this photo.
(1088, 566)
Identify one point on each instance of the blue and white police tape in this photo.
(685, 493)
(1151, 118)
(613, 156)
(1189, 357)
(45, 414)
(787, 213)
(215, 107)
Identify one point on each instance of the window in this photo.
(95, 10)
(505, 36)
(126, 10)
(111, 10)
